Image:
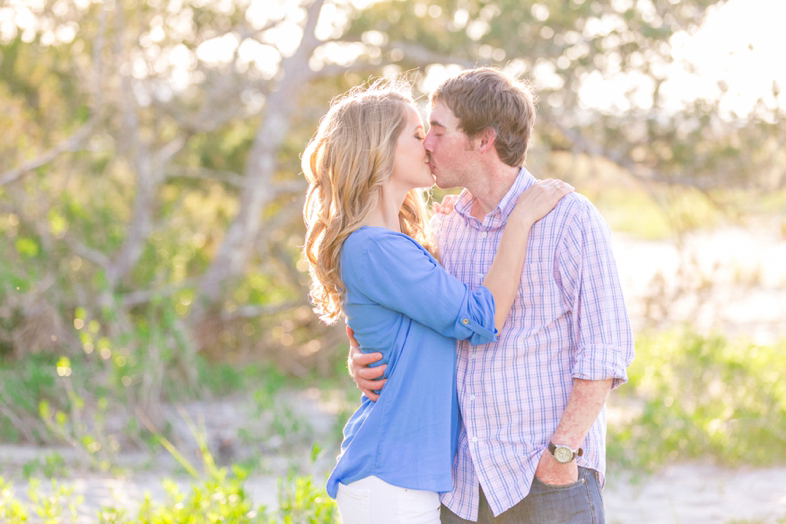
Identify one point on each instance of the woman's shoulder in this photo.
(369, 241)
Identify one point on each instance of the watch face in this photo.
(563, 455)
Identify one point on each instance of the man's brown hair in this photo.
(488, 97)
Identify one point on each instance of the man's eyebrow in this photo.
(436, 123)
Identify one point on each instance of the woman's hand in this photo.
(539, 199)
(446, 206)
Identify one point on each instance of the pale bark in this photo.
(237, 245)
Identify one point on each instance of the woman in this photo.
(371, 260)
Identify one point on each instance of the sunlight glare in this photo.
(741, 43)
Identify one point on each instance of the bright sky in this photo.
(741, 42)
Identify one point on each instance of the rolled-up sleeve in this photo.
(395, 272)
(601, 327)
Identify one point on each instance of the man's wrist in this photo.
(573, 441)
(563, 453)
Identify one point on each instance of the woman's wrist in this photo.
(524, 220)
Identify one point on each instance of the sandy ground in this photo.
(663, 285)
(687, 493)
(695, 493)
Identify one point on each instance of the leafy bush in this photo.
(219, 498)
(703, 397)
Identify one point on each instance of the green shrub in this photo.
(219, 498)
(703, 397)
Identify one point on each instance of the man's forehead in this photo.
(440, 114)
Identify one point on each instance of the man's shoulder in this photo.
(571, 207)
(576, 201)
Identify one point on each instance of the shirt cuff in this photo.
(478, 317)
(600, 362)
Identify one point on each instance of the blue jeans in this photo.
(577, 503)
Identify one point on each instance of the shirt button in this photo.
(472, 397)
(465, 321)
(474, 439)
(484, 234)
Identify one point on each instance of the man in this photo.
(532, 442)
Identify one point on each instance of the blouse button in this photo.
(465, 321)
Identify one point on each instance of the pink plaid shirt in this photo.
(568, 322)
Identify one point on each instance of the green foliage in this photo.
(217, 495)
(301, 500)
(705, 397)
(656, 214)
(11, 510)
(52, 466)
(220, 497)
(55, 504)
(217, 499)
(781, 520)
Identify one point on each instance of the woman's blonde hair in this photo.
(346, 163)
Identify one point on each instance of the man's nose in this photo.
(428, 142)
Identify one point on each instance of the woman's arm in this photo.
(503, 277)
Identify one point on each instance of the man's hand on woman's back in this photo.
(358, 365)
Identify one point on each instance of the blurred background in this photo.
(154, 318)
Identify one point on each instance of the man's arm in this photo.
(585, 404)
(590, 281)
(365, 377)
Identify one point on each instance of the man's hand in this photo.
(364, 376)
(551, 472)
(446, 206)
(585, 404)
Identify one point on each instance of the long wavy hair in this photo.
(346, 163)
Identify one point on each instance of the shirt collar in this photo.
(499, 215)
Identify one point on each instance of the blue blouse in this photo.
(400, 302)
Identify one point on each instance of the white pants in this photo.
(371, 500)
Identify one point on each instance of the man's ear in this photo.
(486, 139)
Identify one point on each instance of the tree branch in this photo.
(252, 311)
(69, 144)
(75, 140)
(144, 296)
(235, 248)
(581, 144)
(75, 245)
(425, 56)
(203, 173)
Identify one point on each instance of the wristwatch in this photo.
(564, 454)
